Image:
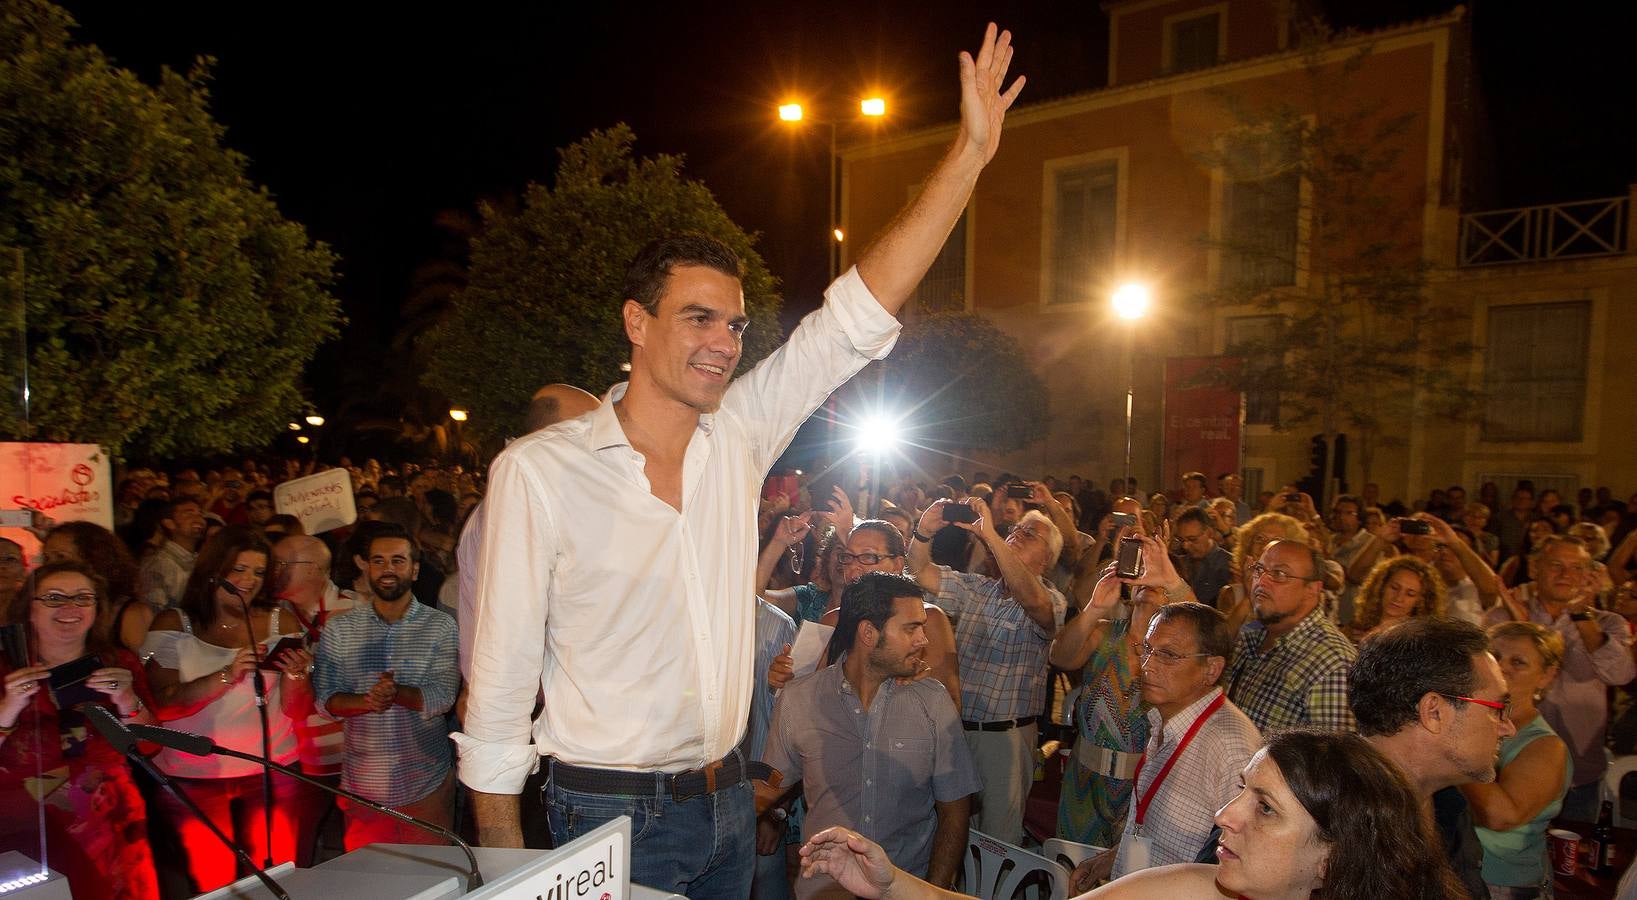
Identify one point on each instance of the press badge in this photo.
(1138, 852)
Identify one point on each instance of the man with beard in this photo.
(875, 750)
(1428, 695)
(165, 571)
(389, 670)
(1290, 663)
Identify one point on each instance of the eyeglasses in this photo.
(1277, 576)
(1165, 657)
(1504, 707)
(868, 559)
(55, 600)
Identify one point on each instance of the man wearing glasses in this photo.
(1197, 746)
(1290, 663)
(1596, 654)
(1428, 695)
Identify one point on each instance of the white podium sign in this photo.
(597, 866)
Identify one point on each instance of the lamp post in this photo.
(458, 416)
(868, 107)
(1130, 303)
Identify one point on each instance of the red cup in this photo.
(1564, 849)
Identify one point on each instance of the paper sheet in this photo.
(808, 651)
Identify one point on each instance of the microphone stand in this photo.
(266, 729)
(199, 745)
(116, 733)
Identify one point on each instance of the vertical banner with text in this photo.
(1203, 417)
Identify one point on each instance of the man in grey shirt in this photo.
(875, 752)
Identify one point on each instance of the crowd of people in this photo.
(1254, 698)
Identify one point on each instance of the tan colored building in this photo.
(1111, 186)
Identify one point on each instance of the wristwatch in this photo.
(916, 533)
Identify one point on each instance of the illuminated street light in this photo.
(1131, 301)
(869, 107)
(294, 426)
(840, 235)
(302, 439)
(873, 106)
(790, 112)
(458, 414)
(315, 421)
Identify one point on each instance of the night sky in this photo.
(365, 122)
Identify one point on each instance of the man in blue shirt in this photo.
(390, 671)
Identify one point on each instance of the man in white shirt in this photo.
(635, 527)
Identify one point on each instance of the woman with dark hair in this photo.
(106, 555)
(202, 669)
(1395, 590)
(1321, 814)
(95, 820)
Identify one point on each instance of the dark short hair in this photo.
(393, 533)
(253, 496)
(1194, 476)
(869, 599)
(178, 503)
(1196, 515)
(1210, 627)
(650, 270)
(1349, 498)
(888, 532)
(106, 554)
(955, 481)
(1397, 667)
(543, 412)
(1366, 813)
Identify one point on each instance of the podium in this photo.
(438, 872)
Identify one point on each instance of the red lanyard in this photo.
(1148, 795)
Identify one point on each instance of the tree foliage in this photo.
(1359, 345)
(169, 308)
(959, 382)
(541, 303)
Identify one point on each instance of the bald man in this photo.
(551, 404)
(301, 580)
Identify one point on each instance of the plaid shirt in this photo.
(1301, 679)
(1002, 651)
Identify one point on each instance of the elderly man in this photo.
(1428, 695)
(1290, 664)
(667, 472)
(1003, 634)
(1198, 741)
(1597, 654)
(875, 750)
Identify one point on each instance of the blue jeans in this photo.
(702, 847)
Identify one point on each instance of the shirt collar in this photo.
(415, 611)
(605, 423)
(1182, 721)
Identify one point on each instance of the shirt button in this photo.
(866, 818)
(869, 781)
(857, 710)
(899, 744)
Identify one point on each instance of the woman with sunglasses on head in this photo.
(1513, 812)
(1320, 814)
(203, 672)
(96, 822)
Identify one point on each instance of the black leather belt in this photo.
(1002, 725)
(724, 773)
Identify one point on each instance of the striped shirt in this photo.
(1002, 651)
(1301, 679)
(774, 629)
(1203, 779)
(401, 755)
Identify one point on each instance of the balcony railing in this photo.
(1539, 233)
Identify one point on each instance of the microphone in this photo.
(199, 745)
(261, 708)
(124, 740)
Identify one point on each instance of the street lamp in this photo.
(1130, 303)
(873, 107)
(295, 426)
(315, 421)
(458, 414)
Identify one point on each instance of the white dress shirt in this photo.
(631, 617)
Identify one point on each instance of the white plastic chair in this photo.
(996, 870)
(1619, 768)
(1068, 854)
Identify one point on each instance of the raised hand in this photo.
(983, 105)
(856, 863)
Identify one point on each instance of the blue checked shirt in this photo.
(401, 755)
(1002, 651)
(774, 629)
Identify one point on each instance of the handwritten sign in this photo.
(321, 502)
(68, 482)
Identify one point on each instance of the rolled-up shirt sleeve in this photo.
(829, 346)
(497, 751)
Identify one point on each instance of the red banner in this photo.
(1204, 418)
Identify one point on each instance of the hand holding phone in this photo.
(270, 656)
